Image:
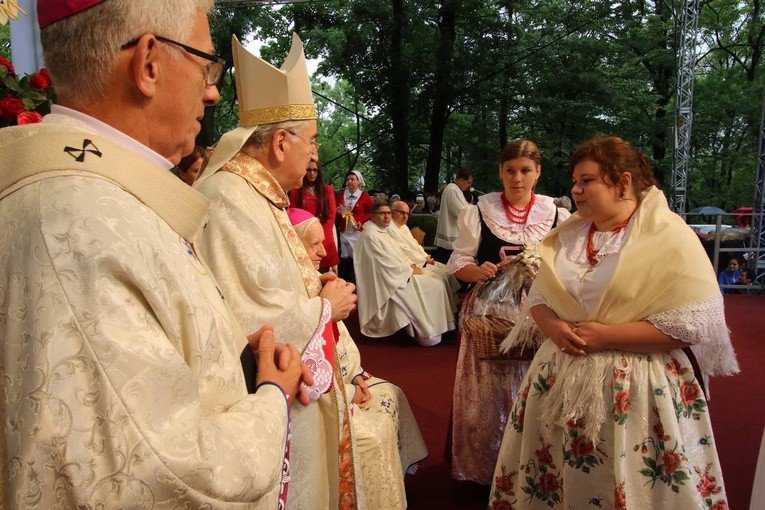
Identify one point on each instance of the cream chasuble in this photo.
(121, 375)
(267, 278)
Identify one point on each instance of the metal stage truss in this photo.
(686, 64)
(757, 240)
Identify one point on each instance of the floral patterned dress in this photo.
(654, 449)
(484, 389)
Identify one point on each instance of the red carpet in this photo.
(427, 377)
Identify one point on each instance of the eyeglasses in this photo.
(405, 213)
(213, 70)
(314, 144)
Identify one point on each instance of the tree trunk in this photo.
(442, 92)
(399, 104)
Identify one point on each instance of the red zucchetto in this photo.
(51, 11)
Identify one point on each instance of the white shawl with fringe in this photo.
(662, 269)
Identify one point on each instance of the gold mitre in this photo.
(268, 95)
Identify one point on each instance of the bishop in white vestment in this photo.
(266, 275)
(120, 374)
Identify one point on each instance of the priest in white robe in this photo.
(394, 294)
(121, 383)
(415, 253)
(266, 275)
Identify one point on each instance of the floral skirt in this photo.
(655, 448)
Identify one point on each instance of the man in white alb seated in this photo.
(414, 253)
(393, 293)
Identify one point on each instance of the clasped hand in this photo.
(580, 338)
(280, 364)
(340, 294)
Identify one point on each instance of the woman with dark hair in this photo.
(318, 198)
(353, 210)
(502, 223)
(192, 165)
(612, 409)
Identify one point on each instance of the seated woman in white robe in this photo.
(394, 294)
(386, 432)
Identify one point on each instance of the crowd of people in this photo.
(169, 346)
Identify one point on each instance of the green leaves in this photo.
(557, 72)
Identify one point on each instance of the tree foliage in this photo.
(409, 90)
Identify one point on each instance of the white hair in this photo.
(263, 133)
(301, 229)
(81, 52)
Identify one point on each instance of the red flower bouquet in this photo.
(23, 99)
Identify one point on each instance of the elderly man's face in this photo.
(182, 93)
(300, 151)
(313, 240)
(400, 213)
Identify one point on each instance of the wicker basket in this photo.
(485, 323)
(485, 334)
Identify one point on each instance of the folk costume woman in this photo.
(500, 223)
(318, 198)
(612, 411)
(389, 442)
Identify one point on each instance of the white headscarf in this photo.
(360, 177)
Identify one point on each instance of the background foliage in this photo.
(409, 89)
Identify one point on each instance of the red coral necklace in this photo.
(515, 215)
(591, 251)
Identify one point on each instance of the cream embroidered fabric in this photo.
(120, 365)
(388, 438)
(263, 284)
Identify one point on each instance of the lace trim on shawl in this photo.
(313, 357)
(574, 242)
(701, 324)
